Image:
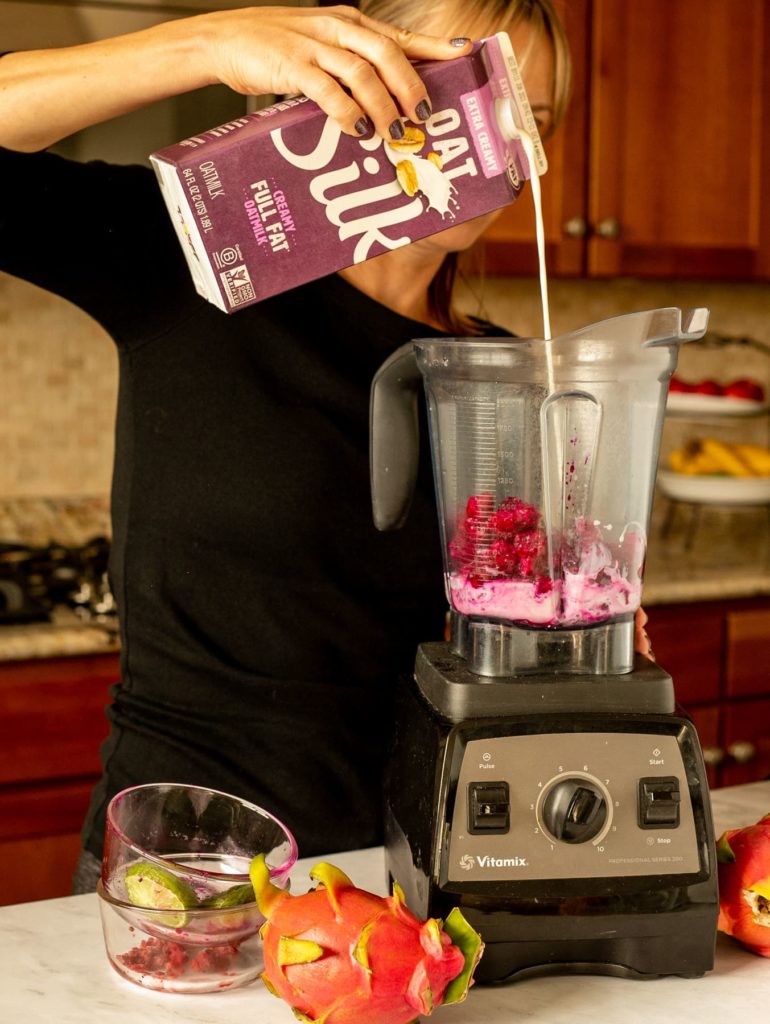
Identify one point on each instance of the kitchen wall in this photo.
(59, 373)
(58, 368)
(737, 310)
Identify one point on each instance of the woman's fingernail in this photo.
(423, 110)
(396, 130)
(459, 41)
(363, 125)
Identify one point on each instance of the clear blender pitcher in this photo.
(544, 457)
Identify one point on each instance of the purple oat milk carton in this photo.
(282, 196)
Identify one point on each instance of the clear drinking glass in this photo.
(177, 908)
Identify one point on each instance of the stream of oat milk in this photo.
(534, 181)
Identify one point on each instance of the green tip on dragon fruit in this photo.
(341, 955)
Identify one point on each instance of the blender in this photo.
(541, 776)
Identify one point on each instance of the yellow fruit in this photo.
(677, 460)
(756, 457)
(725, 457)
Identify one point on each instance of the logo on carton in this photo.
(237, 284)
(365, 213)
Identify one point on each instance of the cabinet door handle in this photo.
(575, 227)
(609, 228)
(713, 756)
(742, 751)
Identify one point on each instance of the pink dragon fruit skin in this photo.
(340, 955)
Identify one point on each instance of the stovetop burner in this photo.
(34, 581)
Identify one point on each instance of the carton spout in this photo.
(505, 114)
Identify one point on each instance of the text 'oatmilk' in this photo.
(282, 196)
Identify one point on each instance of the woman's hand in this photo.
(354, 67)
(357, 69)
(641, 641)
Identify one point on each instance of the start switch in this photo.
(659, 800)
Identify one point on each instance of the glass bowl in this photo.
(175, 898)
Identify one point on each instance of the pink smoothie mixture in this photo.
(499, 568)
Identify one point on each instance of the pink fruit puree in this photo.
(577, 599)
(500, 567)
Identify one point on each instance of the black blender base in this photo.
(620, 956)
(639, 901)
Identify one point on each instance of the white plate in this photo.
(682, 403)
(715, 490)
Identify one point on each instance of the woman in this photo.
(264, 620)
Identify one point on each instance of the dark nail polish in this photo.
(459, 41)
(423, 110)
(363, 125)
(396, 130)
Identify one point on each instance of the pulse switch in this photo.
(489, 808)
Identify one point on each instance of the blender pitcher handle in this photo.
(394, 437)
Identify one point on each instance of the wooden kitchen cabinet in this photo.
(718, 654)
(52, 723)
(662, 168)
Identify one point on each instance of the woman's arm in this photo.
(352, 66)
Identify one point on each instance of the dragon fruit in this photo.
(340, 955)
(743, 855)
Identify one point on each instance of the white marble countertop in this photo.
(54, 970)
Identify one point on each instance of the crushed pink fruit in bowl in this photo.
(198, 950)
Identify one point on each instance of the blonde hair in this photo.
(477, 19)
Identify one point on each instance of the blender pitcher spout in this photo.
(648, 328)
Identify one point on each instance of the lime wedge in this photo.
(153, 887)
(236, 925)
(235, 896)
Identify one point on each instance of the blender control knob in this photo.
(574, 810)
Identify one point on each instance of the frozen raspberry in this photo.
(514, 516)
(533, 543)
(476, 528)
(479, 506)
(503, 556)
